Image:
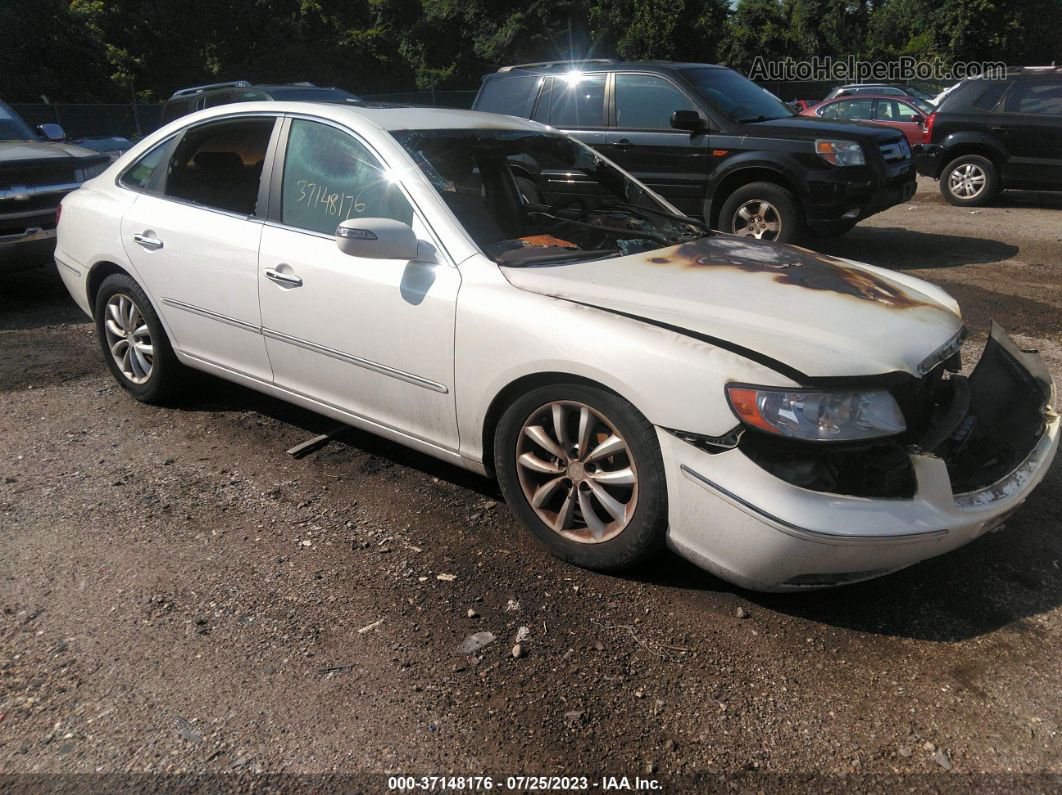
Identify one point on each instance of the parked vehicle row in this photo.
(491, 291)
(714, 144)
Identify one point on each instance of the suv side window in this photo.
(990, 96)
(219, 164)
(577, 101)
(222, 97)
(511, 95)
(330, 177)
(646, 102)
(1036, 96)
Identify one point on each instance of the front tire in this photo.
(133, 342)
(764, 211)
(969, 181)
(581, 468)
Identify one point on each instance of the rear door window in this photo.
(646, 102)
(577, 101)
(1032, 96)
(329, 177)
(849, 109)
(219, 165)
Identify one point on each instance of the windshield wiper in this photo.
(685, 219)
(612, 230)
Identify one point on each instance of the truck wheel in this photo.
(764, 211)
(969, 181)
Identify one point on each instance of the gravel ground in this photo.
(179, 595)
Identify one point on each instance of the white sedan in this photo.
(494, 293)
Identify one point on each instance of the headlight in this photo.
(840, 153)
(88, 172)
(826, 416)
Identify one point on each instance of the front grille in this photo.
(15, 226)
(895, 151)
(42, 201)
(33, 176)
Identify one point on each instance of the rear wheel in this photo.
(969, 181)
(764, 211)
(581, 468)
(134, 344)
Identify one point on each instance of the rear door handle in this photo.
(283, 279)
(1000, 130)
(150, 243)
(623, 143)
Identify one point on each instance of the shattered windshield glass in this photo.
(530, 197)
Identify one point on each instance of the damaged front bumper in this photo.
(732, 517)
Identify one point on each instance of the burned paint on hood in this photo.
(790, 265)
(823, 316)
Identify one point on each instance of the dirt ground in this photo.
(179, 595)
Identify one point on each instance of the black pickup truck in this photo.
(714, 143)
(36, 170)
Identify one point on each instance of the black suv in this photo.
(187, 100)
(993, 134)
(714, 143)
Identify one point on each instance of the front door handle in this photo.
(148, 242)
(623, 143)
(1000, 130)
(283, 279)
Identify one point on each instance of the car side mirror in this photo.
(52, 132)
(688, 120)
(377, 238)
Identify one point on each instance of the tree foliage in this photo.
(109, 50)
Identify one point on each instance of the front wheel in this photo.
(134, 344)
(581, 468)
(764, 211)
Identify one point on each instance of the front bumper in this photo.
(836, 201)
(731, 517)
(26, 248)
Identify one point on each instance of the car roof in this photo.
(599, 66)
(904, 98)
(383, 116)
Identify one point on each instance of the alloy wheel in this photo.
(129, 339)
(967, 181)
(577, 472)
(759, 219)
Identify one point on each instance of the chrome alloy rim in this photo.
(759, 219)
(128, 338)
(577, 472)
(967, 181)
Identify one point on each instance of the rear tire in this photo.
(969, 181)
(595, 497)
(134, 343)
(762, 210)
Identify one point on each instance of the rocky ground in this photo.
(177, 594)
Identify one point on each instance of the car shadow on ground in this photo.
(1043, 200)
(209, 394)
(901, 249)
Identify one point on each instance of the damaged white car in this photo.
(496, 294)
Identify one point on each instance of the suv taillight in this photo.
(929, 127)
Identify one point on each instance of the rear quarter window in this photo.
(989, 98)
(510, 95)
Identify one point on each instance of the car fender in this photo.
(505, 334)
(777, 163)
(971, 138)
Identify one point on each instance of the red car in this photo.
(904, 113)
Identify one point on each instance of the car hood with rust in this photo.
(820, 316)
